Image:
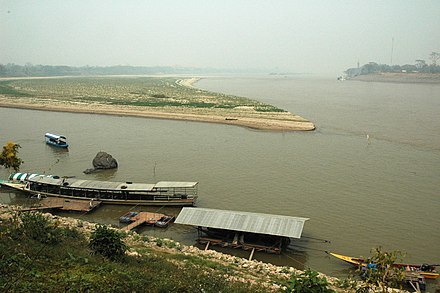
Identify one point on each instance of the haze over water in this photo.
(359, 193)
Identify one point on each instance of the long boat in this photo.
(428, 271)
(163, 193)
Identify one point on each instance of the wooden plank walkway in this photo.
(416, 280)
(65, 204)
(143, 217)
(244, 246)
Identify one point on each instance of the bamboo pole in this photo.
(252, 253)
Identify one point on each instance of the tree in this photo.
(380, 271)
(9, 156)
(421, 63)
(434, 56)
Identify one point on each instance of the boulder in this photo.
(102, 161)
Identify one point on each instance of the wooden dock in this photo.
(245, 246)
(143, 218)
(415, 280)
(64, 204)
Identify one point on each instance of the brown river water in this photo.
(367, 177)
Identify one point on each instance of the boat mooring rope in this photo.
(318, 239)
(159, 209)
(300, 263)
(292, 247)
(56, 162)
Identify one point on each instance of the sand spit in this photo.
(270, 121)
(275, 124)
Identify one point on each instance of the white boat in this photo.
(56, 140)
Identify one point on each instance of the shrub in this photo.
(36, 226)
(382, 273)
(308, 282)
(349, 284)
(107, 242)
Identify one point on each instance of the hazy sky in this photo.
(314, 36)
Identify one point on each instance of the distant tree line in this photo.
(420, 65)
(14, 70)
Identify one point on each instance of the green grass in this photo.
(7, 89)
(128, 91)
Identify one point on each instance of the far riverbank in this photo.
(399, 77)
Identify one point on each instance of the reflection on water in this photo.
(359, 193)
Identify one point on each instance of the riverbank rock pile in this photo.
(102, 161)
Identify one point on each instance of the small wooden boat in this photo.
(164, 221)
(427, 271)
(351, 260)
(128, 217)
(56, 140)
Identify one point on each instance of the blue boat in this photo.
(56, 140)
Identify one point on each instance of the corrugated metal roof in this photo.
(92, 184)
(243, 221)
(46, 180)
(174, 184)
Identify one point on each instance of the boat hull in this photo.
(63, 146)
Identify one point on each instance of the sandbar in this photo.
(276, 121)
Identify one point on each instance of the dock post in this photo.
(207, 245)
(252, 253)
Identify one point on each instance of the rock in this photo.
(102, 161)
(88, 171)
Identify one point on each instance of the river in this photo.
(367, 177)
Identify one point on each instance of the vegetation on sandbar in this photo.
(156, 92)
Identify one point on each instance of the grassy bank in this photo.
(42, 252)
(54, 256)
